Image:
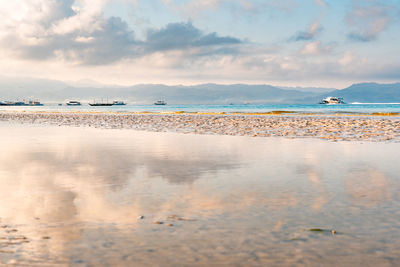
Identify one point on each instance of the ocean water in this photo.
(90, 197)
(296, 108)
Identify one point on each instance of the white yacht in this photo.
(332, 100)
(73, 103)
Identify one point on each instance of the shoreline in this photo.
(228, 113)
(375, 128)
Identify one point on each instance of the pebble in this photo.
(329, 127)
(178, 218)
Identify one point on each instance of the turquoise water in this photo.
(299, 108)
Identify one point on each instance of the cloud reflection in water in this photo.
(86, 187)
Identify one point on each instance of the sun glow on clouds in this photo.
(74, 39)
(13, 10)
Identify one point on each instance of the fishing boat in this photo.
(119, 103)
(73, 103)
(160, 103)
(332, 100)
(100, 104)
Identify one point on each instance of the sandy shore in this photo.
(348, 128)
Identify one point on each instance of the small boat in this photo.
(21, 103)
(119, 103)
(332, 100)
(11, 103)
(160, 103)
(33, 103)
(73, 103)
(100, 104)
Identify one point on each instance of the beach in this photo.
(199, 133)
(198, 190)
(379, 127)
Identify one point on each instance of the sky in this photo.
(321, 43)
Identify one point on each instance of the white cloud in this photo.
(76, 39)
(206, 3)
(82, 39)
(367, 22)
(347, 59)
(86, 18)
(79, 33)
(316, 49)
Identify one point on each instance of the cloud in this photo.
(258, 6)
(78, 39)
(63, 30)
(203, 4)
(190, 9)
(313, 30)
(348, 59)
(315, 48)
(112, 41)
(184, 35)
(367, 22)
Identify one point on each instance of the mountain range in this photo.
(58, 91)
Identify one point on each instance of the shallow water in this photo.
(74, 196)
(251, 108)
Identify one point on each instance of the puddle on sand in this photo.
(79, 196)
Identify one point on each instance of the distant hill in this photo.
(317, 90)
(216, 94)
(85, 91)
(56, 91)
(368, 93)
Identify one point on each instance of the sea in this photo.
(354, 108)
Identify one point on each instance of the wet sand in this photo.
(331, 127)
(81, 196)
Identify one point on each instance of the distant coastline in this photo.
(207, 93)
